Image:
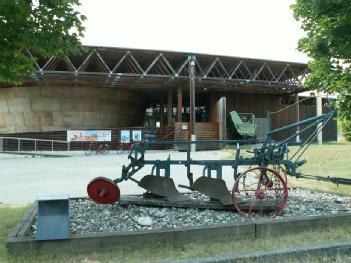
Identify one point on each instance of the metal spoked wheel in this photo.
(260, 189)
(104, 148)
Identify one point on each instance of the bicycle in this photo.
(97, 147)
(123, 146)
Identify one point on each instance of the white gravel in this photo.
(87, 217)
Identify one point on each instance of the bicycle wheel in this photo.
(105, 148)
(88, 150)
(120, 148)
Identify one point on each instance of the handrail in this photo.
(31, 139)
(289, 106)
(19, 139)
(270, 113)
(207, 142)
(168, 135)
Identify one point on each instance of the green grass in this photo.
(325, 160)
(9, 217)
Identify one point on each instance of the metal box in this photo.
(53, 217)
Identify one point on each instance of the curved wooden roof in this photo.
(156, 71)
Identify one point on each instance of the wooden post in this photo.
(180, 104)
(218, 114)
(161, 112)
(169, 109)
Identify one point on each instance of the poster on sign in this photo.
(149, 136)
(125, 136)
(90, 136)
(136, 136)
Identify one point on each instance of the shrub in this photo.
(346, 128)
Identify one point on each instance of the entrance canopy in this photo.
(155, 72)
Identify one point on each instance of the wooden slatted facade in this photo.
(305, 111)
(204, 131)
(260, 104)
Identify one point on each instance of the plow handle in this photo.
(338, 180)
(335, 180)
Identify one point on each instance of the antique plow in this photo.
(263, 184)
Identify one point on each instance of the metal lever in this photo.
(335, 180)
(339, 180)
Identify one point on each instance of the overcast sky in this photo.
(245, 28)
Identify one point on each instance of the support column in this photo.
(169, 109)
(319, 112)
(222, 105)
(180, 104)
(218, 113)
(297, 116)
(192, 102)
(161, 112)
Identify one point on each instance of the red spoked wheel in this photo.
(103, 191)
(259, 189)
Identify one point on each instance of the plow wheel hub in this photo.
(268, 183)
(103, 191)
(260, 194)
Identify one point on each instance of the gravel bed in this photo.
(87, 217)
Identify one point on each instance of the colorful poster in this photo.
(91, 136)
(149, 136)
(136, 136)
(125, 136)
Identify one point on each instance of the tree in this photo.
(328, 44)
(45, 27)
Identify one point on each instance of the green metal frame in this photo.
(244, 128)
(270, 153)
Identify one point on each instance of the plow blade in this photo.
(214, 188)
(162, 186)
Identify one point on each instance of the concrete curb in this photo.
(23, 226)
(297, 225)
(333, 248)
(19, 242)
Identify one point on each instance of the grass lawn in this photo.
(326, 160)
(9, 216)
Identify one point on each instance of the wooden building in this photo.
(174, 92)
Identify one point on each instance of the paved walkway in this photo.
(22, 178)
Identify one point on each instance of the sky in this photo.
(262, 29)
